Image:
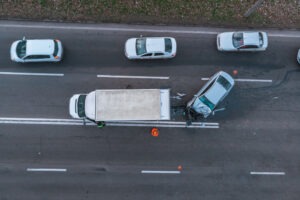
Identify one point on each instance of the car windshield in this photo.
(261, 39)
(237, 39)
(21, 49)
(81, 106)
(55, 48)
(208, 103)
(141, 46)
(168, 45)
(224, 82)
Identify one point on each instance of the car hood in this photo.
(130, 49)
(226, 41)
(13, 51)
(201, 108)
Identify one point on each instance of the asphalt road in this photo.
(254, 154)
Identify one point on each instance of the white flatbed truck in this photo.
(121, 105)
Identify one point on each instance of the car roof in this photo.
(217, 91)
(251, 38)
(155, 44)
(39, 47)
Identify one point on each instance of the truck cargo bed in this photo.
(132, 104)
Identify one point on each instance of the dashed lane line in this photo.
(45, 170)
(122, 76)
(246, 80)
(133, 77)
(159, 172)
(253, 80)
(267, 173)
(30, 74)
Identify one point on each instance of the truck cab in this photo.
(77, 106)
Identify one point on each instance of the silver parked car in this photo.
(298, 56)
(242, 41)
(37, 50)
(211, 94)
(150, 48)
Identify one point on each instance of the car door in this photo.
(249, 48)
(147, 56)
(158, 55)
(36, 58)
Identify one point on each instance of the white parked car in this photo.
(242, 41)
(150, 48)
(298, 56)
(211, 94)
(37, 50)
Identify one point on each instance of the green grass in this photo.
(156, 11)
(43, 3)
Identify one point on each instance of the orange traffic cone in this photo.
(235, 72)
(154, 132)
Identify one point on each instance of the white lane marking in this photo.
(168, 29)
(133, 77)
(30, 74)
(45, 121)
(245, 80)
(168, 122)
(160, 125)
(159, 172)
(291, 34)
(45, 170)
(267, 173)
(296, 35)
(253, 80)
(70, 27)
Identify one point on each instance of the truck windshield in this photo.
(81, 106)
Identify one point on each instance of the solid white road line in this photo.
(149, 29)
(267, 173)
(133, 77)
(159, 172)
(168, 122)
(245, 80)
(74, 27)
(160, 125)
(284, 35)
(45, 121)
(30, 74)
(45, 170)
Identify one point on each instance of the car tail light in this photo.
(56, 57)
